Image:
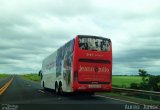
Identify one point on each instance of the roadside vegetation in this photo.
(125, 81)
(3, 75)
(149, 82)
(143, 81)
(32, 76)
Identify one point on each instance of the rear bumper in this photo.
(92, 87)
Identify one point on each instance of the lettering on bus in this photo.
(93, 69)
(94, 55)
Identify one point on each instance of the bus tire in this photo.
(56, 88)
(43, 85)
(60, 91)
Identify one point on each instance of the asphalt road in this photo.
(27, 95)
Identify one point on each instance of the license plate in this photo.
(94, 86)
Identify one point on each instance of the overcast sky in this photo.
(30, 30)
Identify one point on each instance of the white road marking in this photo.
(127, 101)
(119, 99)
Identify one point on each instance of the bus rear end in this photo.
(92, 60)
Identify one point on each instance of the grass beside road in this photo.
(33, 77)
(3, 75)
(125, 81)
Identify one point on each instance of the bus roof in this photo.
(85, 36)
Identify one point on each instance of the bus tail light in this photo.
(76, 76)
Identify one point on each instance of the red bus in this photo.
(83, 64)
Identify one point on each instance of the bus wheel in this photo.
(56, 88)
(60, 89)
(43, 85)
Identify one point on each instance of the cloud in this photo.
(31, 30)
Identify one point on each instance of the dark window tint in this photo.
(94, 43)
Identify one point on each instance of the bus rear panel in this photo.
(92, 64)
